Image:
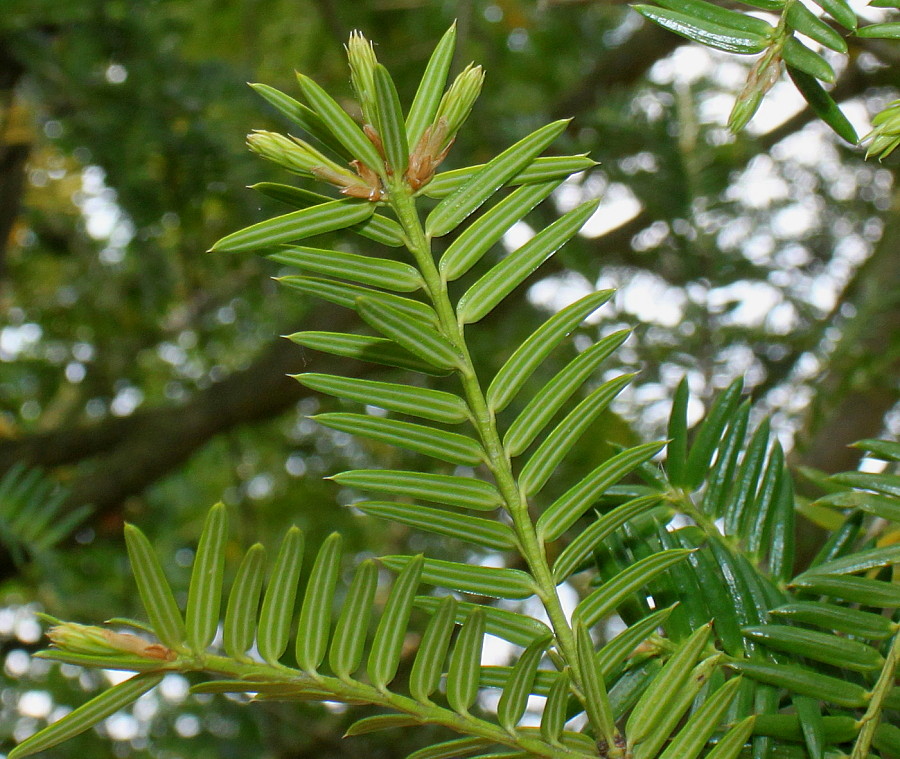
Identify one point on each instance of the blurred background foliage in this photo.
(146, 379)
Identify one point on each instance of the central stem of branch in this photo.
(485, 423)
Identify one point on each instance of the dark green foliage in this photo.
(735, 641)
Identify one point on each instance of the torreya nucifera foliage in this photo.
(771, 32)
(725, 650)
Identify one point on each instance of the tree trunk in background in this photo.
(13, 153)
(860, 383)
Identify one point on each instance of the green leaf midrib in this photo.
(485, 425)
(350, 691)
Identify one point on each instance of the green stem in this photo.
(869, 721)
(485, 423)
(783, 31)
(683, 503)
(351, 691)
